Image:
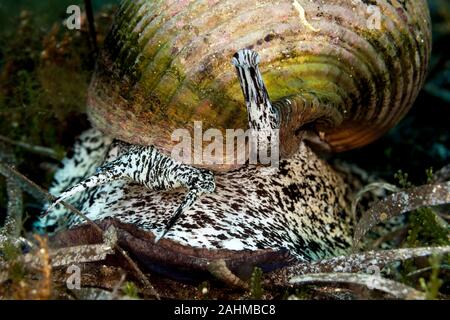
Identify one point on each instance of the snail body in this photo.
(302, 209)
(321, 70)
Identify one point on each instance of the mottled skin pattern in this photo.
(150, 168)
(82, 160)
(302, 207)
(262, 117)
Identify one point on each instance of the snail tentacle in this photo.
(263, 118)
(156, 171)
(189, 199)
(292, 115)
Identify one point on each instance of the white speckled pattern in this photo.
(301, 208)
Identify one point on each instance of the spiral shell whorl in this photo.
(167, 63)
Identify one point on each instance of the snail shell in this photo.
(167, 63)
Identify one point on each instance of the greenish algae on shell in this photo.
(167, 64)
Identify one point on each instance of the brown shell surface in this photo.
(167, 64)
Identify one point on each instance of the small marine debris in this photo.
(359, 262)
(371, 282)
(301, 12)
(399, 203)
(220, 270)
